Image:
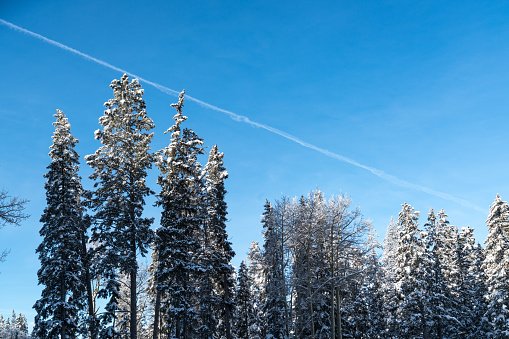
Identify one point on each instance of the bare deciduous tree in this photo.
(11, 212)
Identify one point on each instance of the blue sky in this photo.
(419, 91)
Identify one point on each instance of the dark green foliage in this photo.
(61, 273)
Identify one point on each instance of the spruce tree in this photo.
(496, 268)
(275, 302)
(258, 323)
(435, 282)
(243, 303)
(120, 168)
(217, 249)
(371, 295)
(409, 276)
(177, 244)
(63, 295)
(390, 293)
(466, 284)
(480, 322)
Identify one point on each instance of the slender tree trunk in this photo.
(63, 292)
(311, 309)
(340, 332)
(133, 321)
(88, 283)
(227, 306)
(332, 317)
(157, 306)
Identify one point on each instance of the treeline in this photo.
(15, 327)
(319, 275)
(92, 240)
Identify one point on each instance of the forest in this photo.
(320, 272)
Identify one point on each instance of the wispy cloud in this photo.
(237, 117)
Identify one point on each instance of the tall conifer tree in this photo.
(244, 303)
(61, 272)
(496, 268)
(409, 276)
(217, 249)
(275, 302)
(120, 168)
(177, 242)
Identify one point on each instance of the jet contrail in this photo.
(379, 173)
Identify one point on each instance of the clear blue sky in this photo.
(419, 91)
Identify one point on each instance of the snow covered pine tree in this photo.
(177, 242)
(120, 168)
(63, 296)
(496, 268)
(218, 252)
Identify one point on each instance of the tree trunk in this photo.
(88, 283)
(63, 292)
(332, 317)
(312, 319)
(227, 307)
(340, 332)
(133, 321)
(155, 333)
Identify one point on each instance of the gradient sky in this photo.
(418, 91)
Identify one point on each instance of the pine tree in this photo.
(466, 282)
(496, 268)
(390, 293)
(409, 280)
(21, 324)
(58, 310)
(217, 249)
(244, 303)
(120, 168)
(371, 295)
(275, 285)
(257, 324)
(480, 322)
(177, 242)
(435, 282)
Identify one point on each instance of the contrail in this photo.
(379, 173)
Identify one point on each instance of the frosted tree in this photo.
(20, 324)
(257, 325)
(243, 303)
(466, 282)
(307, 261)
(480, 323)
(15, 327)
(409, 276)
(496, 268)
(275, 303)
(177, 244)
(120, 168)
(217, 249)
(144, 311)
(343, 232)
(63, 295)
(370, 297)
(390, 293)
(435, 283)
